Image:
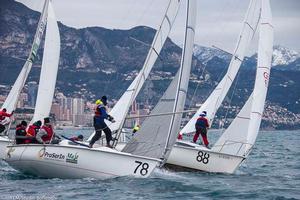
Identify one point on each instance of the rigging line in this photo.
(139, 41)
(221, 126)
(160, 57)
(161, 114)
(17, 58)
(197, 86)
(219, 79)
(193, 96)
(145, 10)
(148, 45)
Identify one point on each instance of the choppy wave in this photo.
(270, 172)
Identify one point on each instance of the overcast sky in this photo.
(218, 21)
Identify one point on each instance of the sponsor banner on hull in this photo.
(69, 158)
(72, 158)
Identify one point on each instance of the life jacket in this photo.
(179, 137)
(201, 122)
(100, 115)
(20, 131)
(49, 131)
(32, 130)
(3, 115)
(136, 128)
(74, 138)
(97, 110)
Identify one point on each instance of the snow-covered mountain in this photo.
(204, 54)
(283, 55)
(283, 58)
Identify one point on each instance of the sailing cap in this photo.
(24, 123)
(203, 114)
(46, 120)
(38, 123)
(103, 98)
(80, 136)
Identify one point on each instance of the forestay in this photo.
(214, 101)
(158, 134)
(121, 108)
(49, 68)
(241, 134)
(13, 96)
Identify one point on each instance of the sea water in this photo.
(272, 171)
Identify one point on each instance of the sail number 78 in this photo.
(141, 167)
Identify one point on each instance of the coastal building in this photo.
(32, 93)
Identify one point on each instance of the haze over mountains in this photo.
(96, 61)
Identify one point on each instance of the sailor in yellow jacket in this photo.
(135, 129)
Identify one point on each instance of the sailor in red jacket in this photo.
(201, 128)
(3, 117)
(32, 132)
(46, 134)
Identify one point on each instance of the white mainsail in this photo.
(13, 96)
(214, 101)
(121, 108)
(49, 68)
(242, 132)
(158, 134)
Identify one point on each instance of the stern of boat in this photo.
(197, 157)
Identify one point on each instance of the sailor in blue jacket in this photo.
(99, 123)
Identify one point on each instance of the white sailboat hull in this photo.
(57, 161)
(4, 141)
(196, 157)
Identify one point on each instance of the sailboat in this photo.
(149, 140)
(13, 96)
(235, 144)
(73, 161)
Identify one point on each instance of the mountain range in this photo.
(96, 61)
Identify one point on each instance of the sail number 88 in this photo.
(142, 167)
(202, 157)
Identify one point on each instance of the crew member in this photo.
(46, 134)
(32, 132)
(179, 137)
(201, 128)
(99, 123)
(135, 129)
(21, 132)
(4, 118)
(77, 138)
